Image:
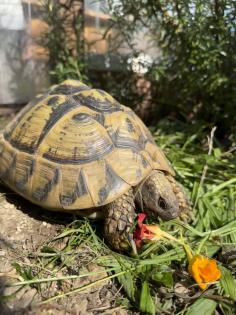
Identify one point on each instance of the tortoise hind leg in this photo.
(119, 221)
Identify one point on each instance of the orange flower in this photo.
(203, 270)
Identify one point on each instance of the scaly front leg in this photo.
(119, 221)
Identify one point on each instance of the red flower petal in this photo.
(141, 217)
(141, 232)
(138, 233)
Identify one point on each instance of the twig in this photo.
(85, 287)
(107, 309)
(228, 152)
(205, 169)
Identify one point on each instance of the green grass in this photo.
(157, 281)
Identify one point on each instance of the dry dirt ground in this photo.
(24, 228)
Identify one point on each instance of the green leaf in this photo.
(227, 283)
(48, 249)
(146, 302)
(217, 152)
(221, 186)
(25, 273)
(202, 306)
(213, 210)
(189, 160)
(165, 278)
(127, 281)
(227, 309)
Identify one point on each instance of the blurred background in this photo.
(165, 59)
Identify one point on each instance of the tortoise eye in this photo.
(162, 204)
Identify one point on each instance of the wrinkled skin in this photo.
(156, 195)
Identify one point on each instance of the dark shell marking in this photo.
(41, 193)
(79, 190)
(102, 104)
(6, 175)
(25, 174)
(113, 181)
(56, 114)
(66, 89)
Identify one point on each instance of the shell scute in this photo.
(74, 189)
(24, 169)
(98, 100)
(68, 87)
(46, 185)
(8, 162)
(77, 139)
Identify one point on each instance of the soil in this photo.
(25, 228)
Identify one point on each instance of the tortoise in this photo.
(76, 149)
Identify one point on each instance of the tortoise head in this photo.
(157, 196)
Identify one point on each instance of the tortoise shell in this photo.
(75, 147)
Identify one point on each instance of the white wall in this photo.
(20, 77)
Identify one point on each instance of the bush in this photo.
(64, 39)
(195, 76)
